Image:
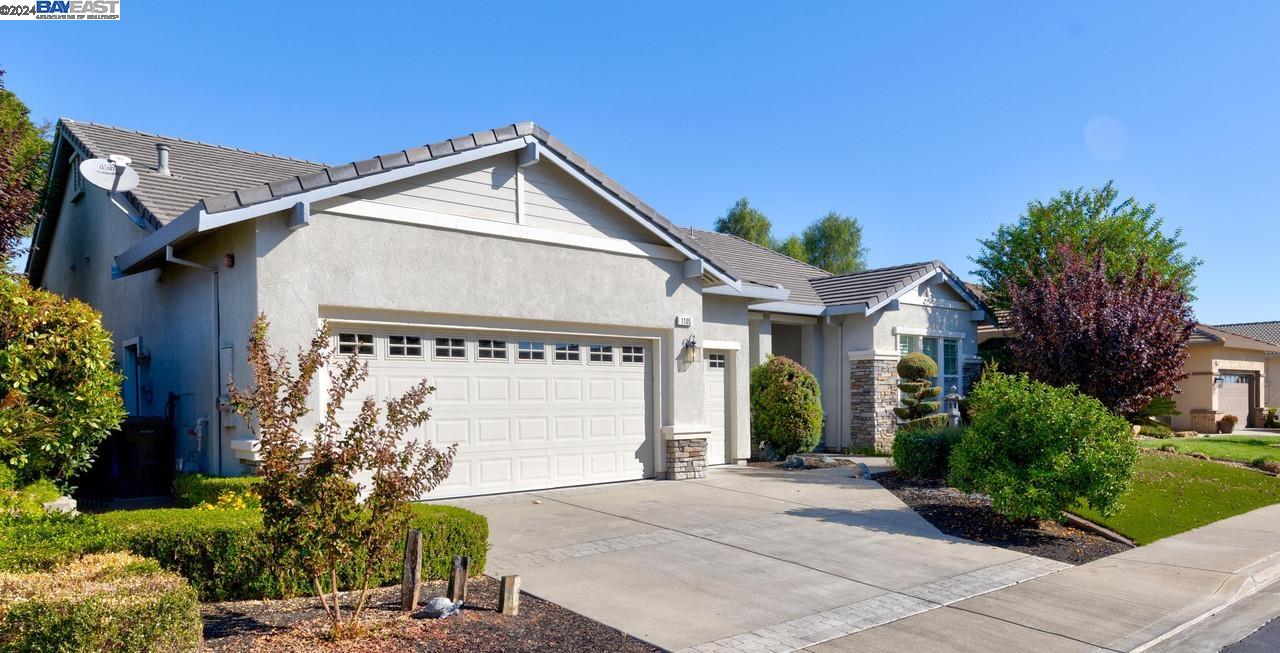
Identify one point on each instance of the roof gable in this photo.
(870, 290)
(1264, 331)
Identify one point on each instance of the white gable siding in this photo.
(554, 200)
(484, 190)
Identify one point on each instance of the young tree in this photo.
(1088, 221)
(792, 246)
(24, 157)
(315, 515)
(834, 243)
(747, 223)
(1119, 338)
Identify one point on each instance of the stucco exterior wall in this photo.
(1204, 362)
(1272, 382)
(169, 311)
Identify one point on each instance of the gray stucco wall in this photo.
(168, 310)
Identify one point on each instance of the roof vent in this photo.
(162, 160)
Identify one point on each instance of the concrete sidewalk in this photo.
(1131, 601)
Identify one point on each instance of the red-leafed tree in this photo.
(1118, 337)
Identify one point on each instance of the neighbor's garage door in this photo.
(527, 412)
(1233, 396)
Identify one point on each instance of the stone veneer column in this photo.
(686, 458)
(873, 394)
(1205, 421)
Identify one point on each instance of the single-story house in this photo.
(571, 331)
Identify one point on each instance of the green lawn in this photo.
(1170, 494)
(1242, 448)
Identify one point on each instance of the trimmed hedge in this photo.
(112, 602)
(220, 553)
(191, 490)
(924, 454)
(30, 543)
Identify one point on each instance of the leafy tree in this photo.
(24, 157)
(1117, 337)
(1092, 221)
(315, 516)
(59, 391)
(1037, 450)
(834, 243)
(792, 246)
(786, 406)
(746, 222)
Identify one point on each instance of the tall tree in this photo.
(792, 246)
(1119, 338)
(746, 222)
(24, 156)
(834, 243)
(1089, 221)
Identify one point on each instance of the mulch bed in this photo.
(971, 517)
(299, 625)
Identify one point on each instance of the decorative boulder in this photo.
(794, 462)
(441, 607)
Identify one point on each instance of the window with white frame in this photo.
(528, 350)
(451, 348)
(488, 349)
(355, 343)
(944, 351)
(566, 351)
(717, 361)
(632, 354)
(600, 354)
(404, 346)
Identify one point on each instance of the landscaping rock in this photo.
(860, 470)
(61, 504)
(794, 462)
(826, 460)
(441, 607)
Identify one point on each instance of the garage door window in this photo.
(601, 354)
(527, 350)
(491, 349)
(355, 343)
(567, 352)
(632, 354)
(404, 346)
(451, 348)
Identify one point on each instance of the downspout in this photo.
(216, 414)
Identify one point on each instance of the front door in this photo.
(717, 406)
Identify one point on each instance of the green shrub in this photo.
(1155, 430)
(29, 500)
(191, 490)
(786, 406)
(59, 389)
(111, 602)
(35, 543)
(1037, 449)
(221, 552)
(1273, 422)
(7, 477)
(924, 454)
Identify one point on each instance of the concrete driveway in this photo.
(745, 560)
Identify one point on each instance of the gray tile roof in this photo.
(871, 287)
(199, 170)
(1200, 335)
(1264, 331)
(750, 262)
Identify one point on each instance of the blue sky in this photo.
(930, 122)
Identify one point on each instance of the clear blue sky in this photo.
(930, 122)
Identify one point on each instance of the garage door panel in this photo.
(531, 390)
(495, 471)
(602, 389)
(568, 467)
(602, 426)
(568, 390)
(532, 429)
(493, 389)
(494, 430)
(449, 389)
(444, 431)
(569, 428)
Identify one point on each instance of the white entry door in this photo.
(527, 411)
(717, 407)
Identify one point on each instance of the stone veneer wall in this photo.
(686, 458)
(873, 394)
(1205, 421)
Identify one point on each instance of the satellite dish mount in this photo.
(111, 174)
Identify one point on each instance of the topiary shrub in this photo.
(1037, 449)
(221, 551)
(191, 490)
(786, 407)
(112, 602)
(919, 394)
(59, 391)
(924, 454)
(35, 543)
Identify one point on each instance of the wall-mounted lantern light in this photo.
(690, 353)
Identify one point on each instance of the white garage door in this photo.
(1234, 396)
(716, 407)
(527, 412)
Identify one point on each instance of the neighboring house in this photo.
(570, 330)
(1268, 383)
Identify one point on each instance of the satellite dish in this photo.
(112, 173)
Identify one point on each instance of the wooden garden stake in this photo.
(458, 579)
(411, 583)
(509, 596)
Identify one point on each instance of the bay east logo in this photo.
(60, 10)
